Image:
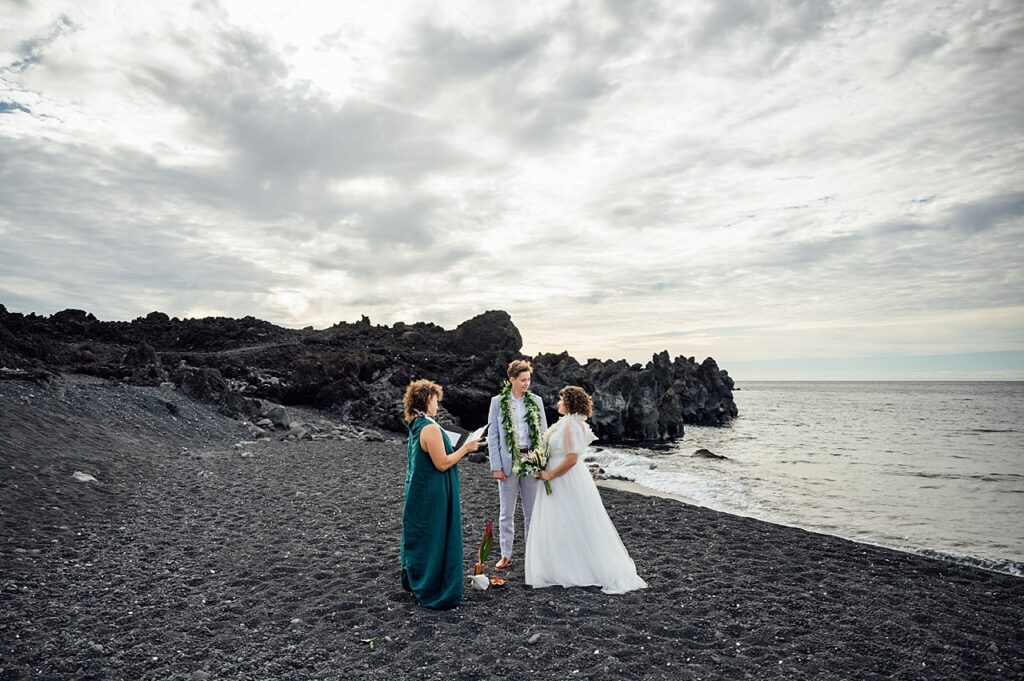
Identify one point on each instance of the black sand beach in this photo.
(192, 557)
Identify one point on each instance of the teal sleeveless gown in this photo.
(431, 551)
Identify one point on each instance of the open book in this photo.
(458, 439)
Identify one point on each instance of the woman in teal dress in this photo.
(431, 551)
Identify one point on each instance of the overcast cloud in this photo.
(756, 181)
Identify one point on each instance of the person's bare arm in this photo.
(571, 440)
(568, 462)
(433, 443)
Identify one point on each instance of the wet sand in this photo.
(636, 488)
(199, 555)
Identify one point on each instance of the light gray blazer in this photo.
(499, 451)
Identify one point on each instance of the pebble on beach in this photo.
(190, 561)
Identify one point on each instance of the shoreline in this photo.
(200, 554)
(1004, 566)
(637, 488)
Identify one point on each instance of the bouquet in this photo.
(531, 463)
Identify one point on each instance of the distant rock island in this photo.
(359, 370)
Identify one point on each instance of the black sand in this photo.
(280, 561)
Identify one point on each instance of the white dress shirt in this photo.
(519, 414)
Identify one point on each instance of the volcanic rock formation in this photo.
(359, 370)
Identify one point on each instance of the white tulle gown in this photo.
(572, 541)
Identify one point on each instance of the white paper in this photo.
(454, 437)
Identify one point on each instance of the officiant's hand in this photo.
(468, 446)
(500, 475)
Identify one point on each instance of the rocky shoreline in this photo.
(358, 371)
(200, 553)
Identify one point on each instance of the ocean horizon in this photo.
(931, 467)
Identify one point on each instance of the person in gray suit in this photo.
(516, 426)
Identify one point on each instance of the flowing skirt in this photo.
(431, 548)
(572, 541)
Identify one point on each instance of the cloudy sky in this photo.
(799, 188)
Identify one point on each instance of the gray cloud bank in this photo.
(750, 180)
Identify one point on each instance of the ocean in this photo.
(935, 468)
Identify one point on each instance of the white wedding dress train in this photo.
(572, 541)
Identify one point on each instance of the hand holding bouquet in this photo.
(531, 463)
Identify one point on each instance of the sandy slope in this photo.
(279, 560)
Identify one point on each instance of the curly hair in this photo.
(417, 395)
(576, 400)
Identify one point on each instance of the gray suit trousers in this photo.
(509, 490)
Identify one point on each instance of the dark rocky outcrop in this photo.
(708, 454)
(146, 363)
(642, 402)
(359, 370)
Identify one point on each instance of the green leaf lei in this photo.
(532, 420)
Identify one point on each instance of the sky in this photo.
(799, 189)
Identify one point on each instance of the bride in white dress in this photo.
(572, 541)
